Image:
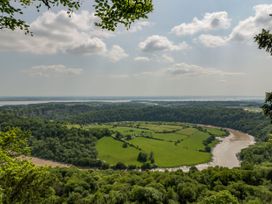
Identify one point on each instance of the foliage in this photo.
(267, 107)
(224, 114)
(14, 142)
(142, 157)
(257, 154)
(110, 12)
(222, 197)
(21, 181)
(264, 40)
(121, 11)
(47, 124)
(214, 185)
(151, 157)
(54, 141)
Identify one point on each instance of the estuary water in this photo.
(38, 100)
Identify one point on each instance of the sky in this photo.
(184, 48)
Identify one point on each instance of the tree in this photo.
(222, 197)
(267, 107)
(187, 192)
(21, 181)
(142, 157)
(264, 40)
(146, 195)
(151, 157)
(110, 12)
(120, 166)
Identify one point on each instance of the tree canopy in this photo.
(267, 107)
(110, 12)
(264, 41)
(20, 181)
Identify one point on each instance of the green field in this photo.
(173, 144)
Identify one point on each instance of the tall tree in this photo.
(110, 12)
(264, 40)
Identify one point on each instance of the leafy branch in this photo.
(111, 12)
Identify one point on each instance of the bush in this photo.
(142, 157)
(120, 166)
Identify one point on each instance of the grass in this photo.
(216, 131)
(111, 151)
(172, 144)
(170, 155)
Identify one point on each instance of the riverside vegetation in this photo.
(58, 132)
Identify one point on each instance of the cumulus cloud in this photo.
(53, 33)
(183, 69)
(91, 46)
(141, 59)
(116, 53)
(211, 21)
(212, 40)
(52, 70)
(57, 33)
(138, 26)
(245, 30)
(161, 43)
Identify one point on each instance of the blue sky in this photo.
(184, 48)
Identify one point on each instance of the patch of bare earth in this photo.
(44, 162)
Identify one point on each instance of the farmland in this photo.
(172, 144)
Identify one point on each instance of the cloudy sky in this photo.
(186, 47)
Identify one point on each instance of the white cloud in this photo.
(252, 25)
(245, 30)
(91, 46)
(138, 26)
(116, 53)
(167, 58)
(141, 59)
(161, 43)
(57, 33)
(183, 69)
(211, 21)
(212, 40)
(179, 70)
(156, 57)
(52, 70)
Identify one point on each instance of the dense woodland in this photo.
(223, 114)
(52, 139)
(217, 185)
